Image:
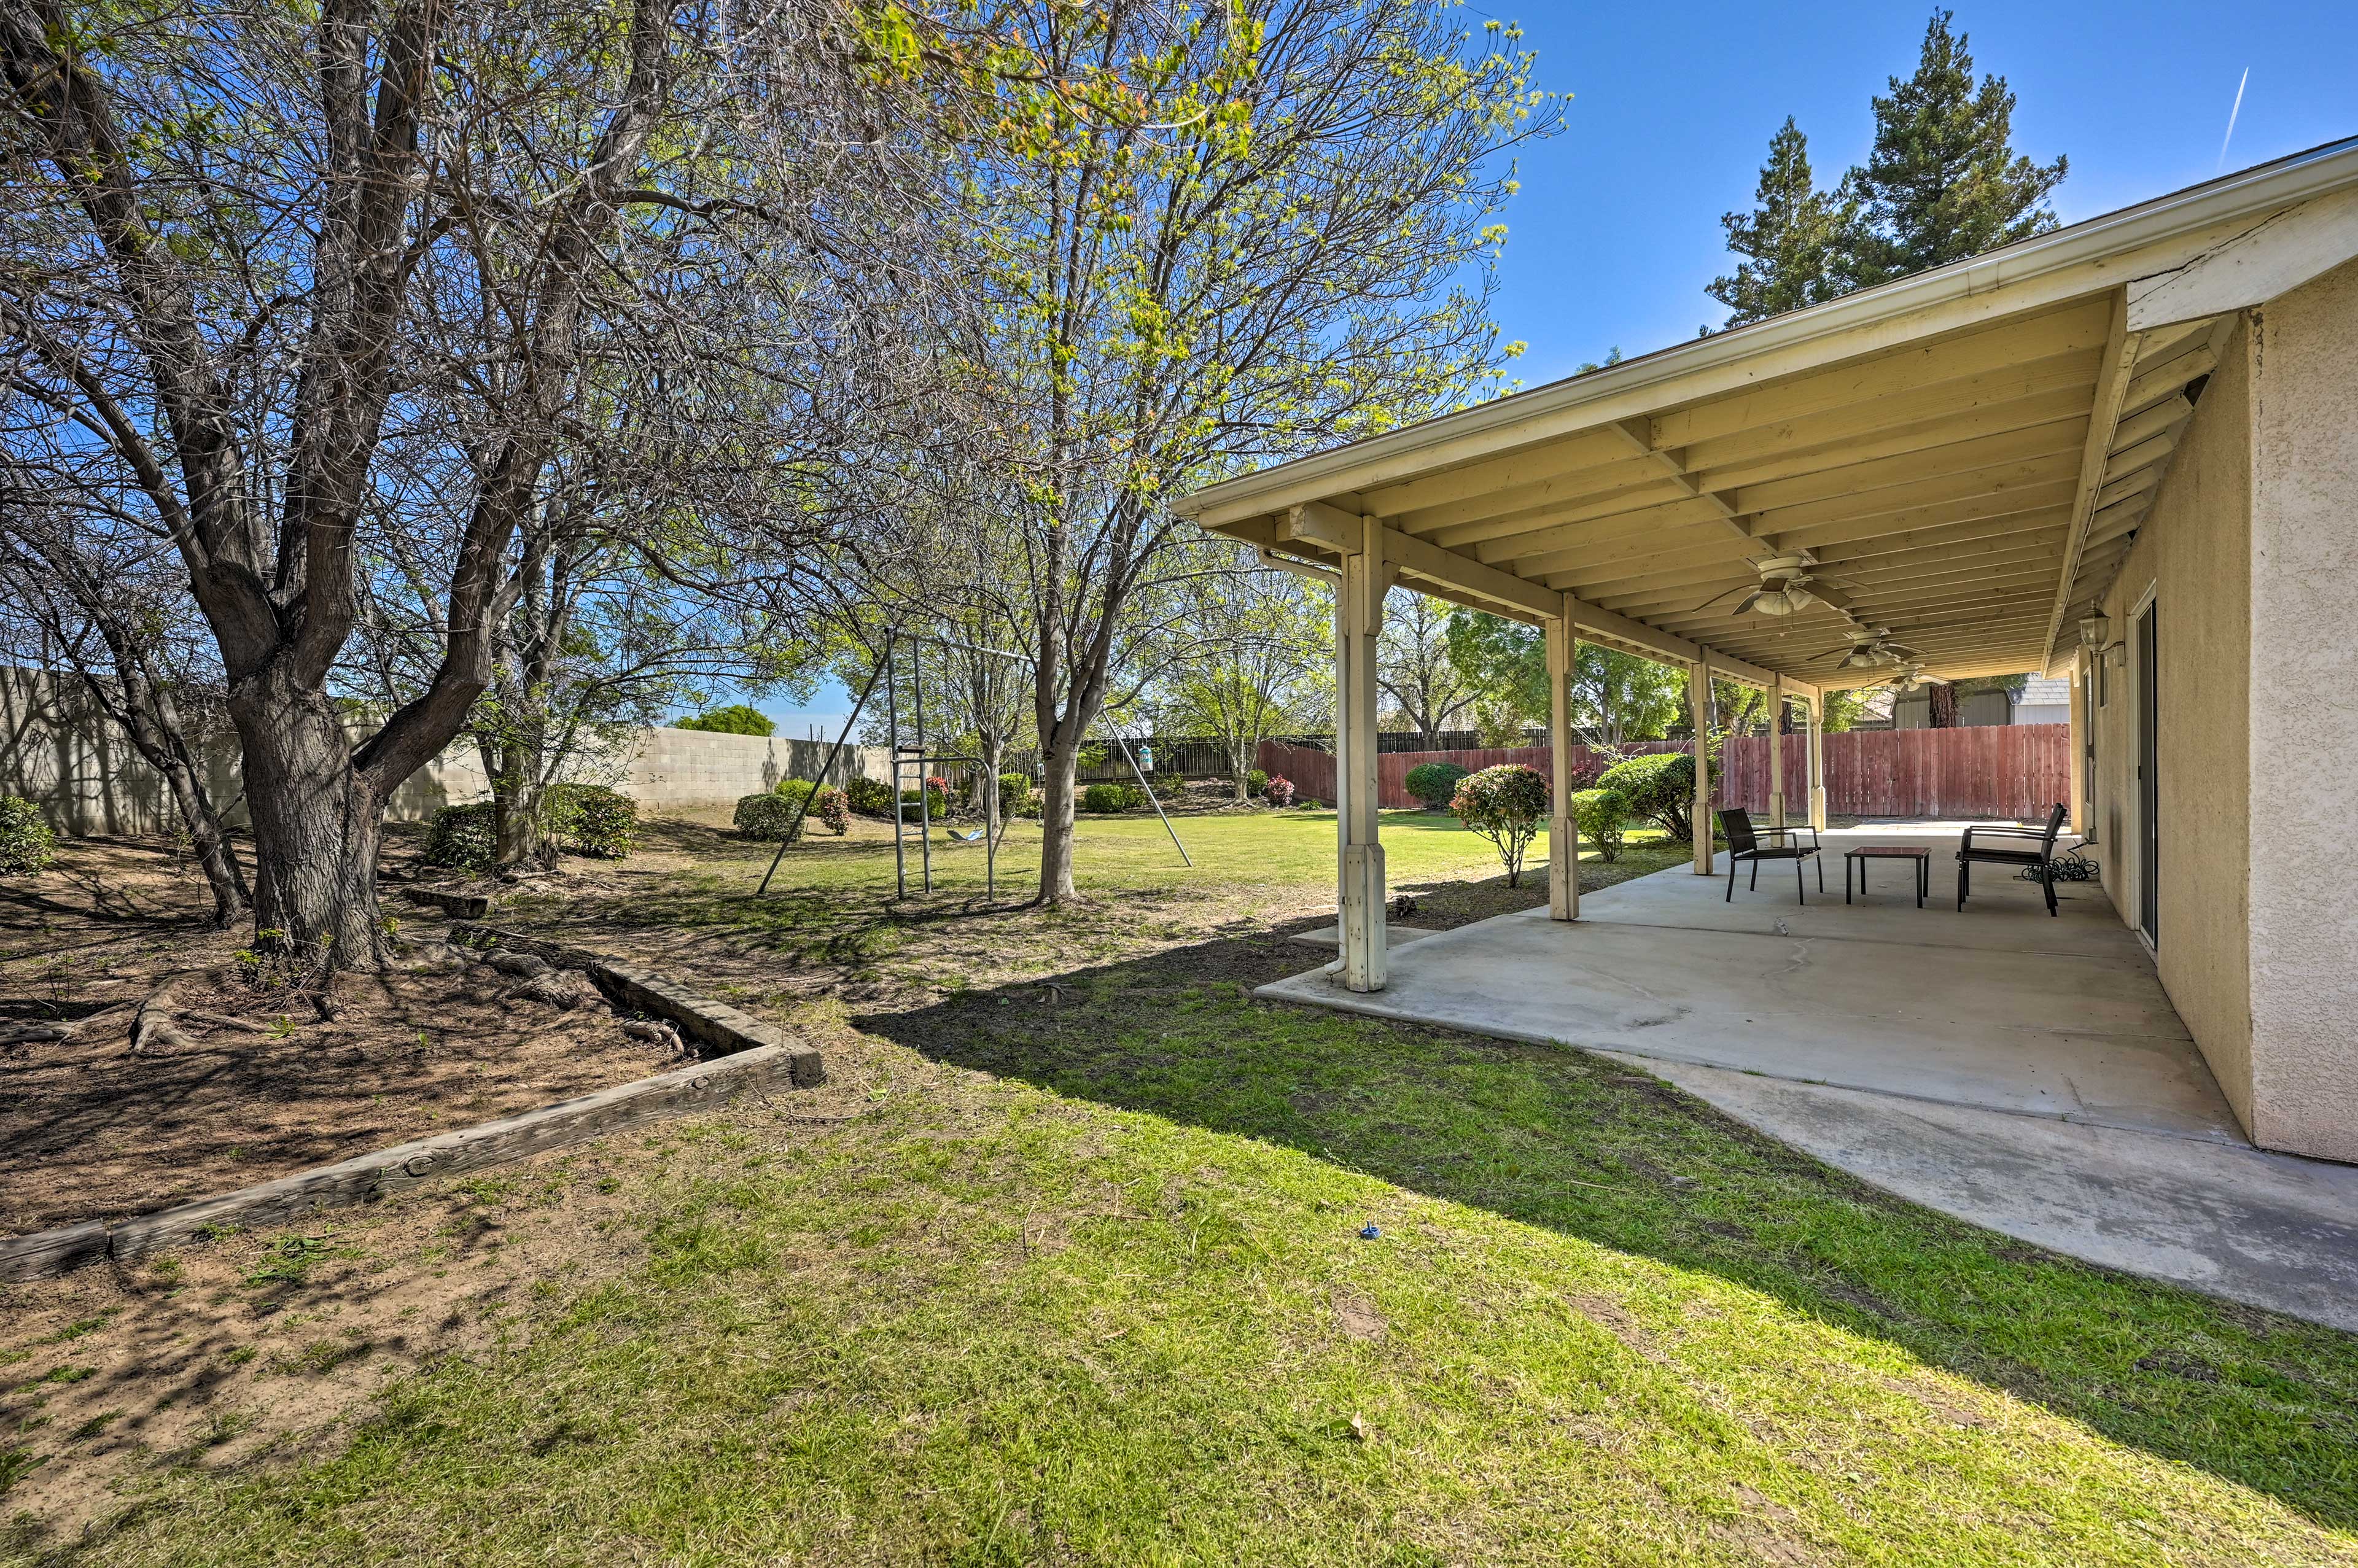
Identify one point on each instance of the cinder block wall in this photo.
(58, 750)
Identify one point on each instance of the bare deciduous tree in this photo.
(252, 244)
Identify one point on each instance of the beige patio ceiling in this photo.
(1963, 457)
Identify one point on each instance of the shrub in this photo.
(1507, 804)
(590, 819)
(1014, 793)
(1107, 797)
(766, 817)
(26, 842)
(831, 808)
(1309, 802)
(734, 719)
(796, 791)
(1167, 787)
(1435, 784)
(1278, 792)
(870, 798)
(1600, 815)
(933, 801)
(1660, 788)
(1256, 780)
(464, 836)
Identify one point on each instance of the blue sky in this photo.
(1616, 229)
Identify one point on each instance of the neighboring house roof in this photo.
(2045, 692)
(1964, 455)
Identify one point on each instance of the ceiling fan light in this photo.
(1797, 596)
(1776, 601)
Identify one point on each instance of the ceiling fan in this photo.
(1909, 678)
(1781, 591)
(1868, 646)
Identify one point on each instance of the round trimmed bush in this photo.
(795, 790)
(870, 798)
(1278, 791)
(765, 817)
(1014, 793)
(590, 819)
(26, 842)
(1602, 815)
(465, 837)
(1256, 780)
(831, 808)
(1107, 798)
(1435, 784)
(1660, 788)
(1507, 804)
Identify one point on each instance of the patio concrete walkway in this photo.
(2023, 1072)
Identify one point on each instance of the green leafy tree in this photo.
(1251, 654)
(1943, 181)
(737, 718)
(1428, 688)
(1794, 238)
(1273, 231)
(1613, 699)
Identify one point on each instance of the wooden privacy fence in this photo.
(2011, 771)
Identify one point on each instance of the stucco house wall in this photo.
(2194, 557)
(2251, 552)
(2303, 761)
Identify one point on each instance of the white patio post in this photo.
(1699, 714)
(1563, 832)
(1362, 599)
(1776, 752)
(1818, 760)
(2079, 738)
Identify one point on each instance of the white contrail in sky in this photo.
(2231, 117)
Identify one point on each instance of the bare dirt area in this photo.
(244, 1080)
(261, 1349)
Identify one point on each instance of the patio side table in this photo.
(1866, 852)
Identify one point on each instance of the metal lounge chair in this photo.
(2018, 854)
(1744, 843)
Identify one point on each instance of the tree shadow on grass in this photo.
(1557, 1138)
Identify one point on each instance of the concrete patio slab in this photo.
(1332, 935)
(2269, 1230)
(2021, 1071)
(1856, 996)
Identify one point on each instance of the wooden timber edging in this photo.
(749, 1057)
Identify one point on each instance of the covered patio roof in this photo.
(1957, 461)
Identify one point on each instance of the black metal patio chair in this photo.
(2018, 855)
(1744, 843)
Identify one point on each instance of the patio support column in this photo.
(1818, 761)
(1776, 752)
(1564, 831)
(1699, 715)
(1362, 914)
(2079, 738)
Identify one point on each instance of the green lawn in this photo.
(1081, 1279)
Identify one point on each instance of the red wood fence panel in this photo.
(2008, 771)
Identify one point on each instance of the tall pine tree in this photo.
(1795, 237)
(1943, 182)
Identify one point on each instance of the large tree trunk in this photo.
(1057, 765)
(1940, 706)
(317, 826)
